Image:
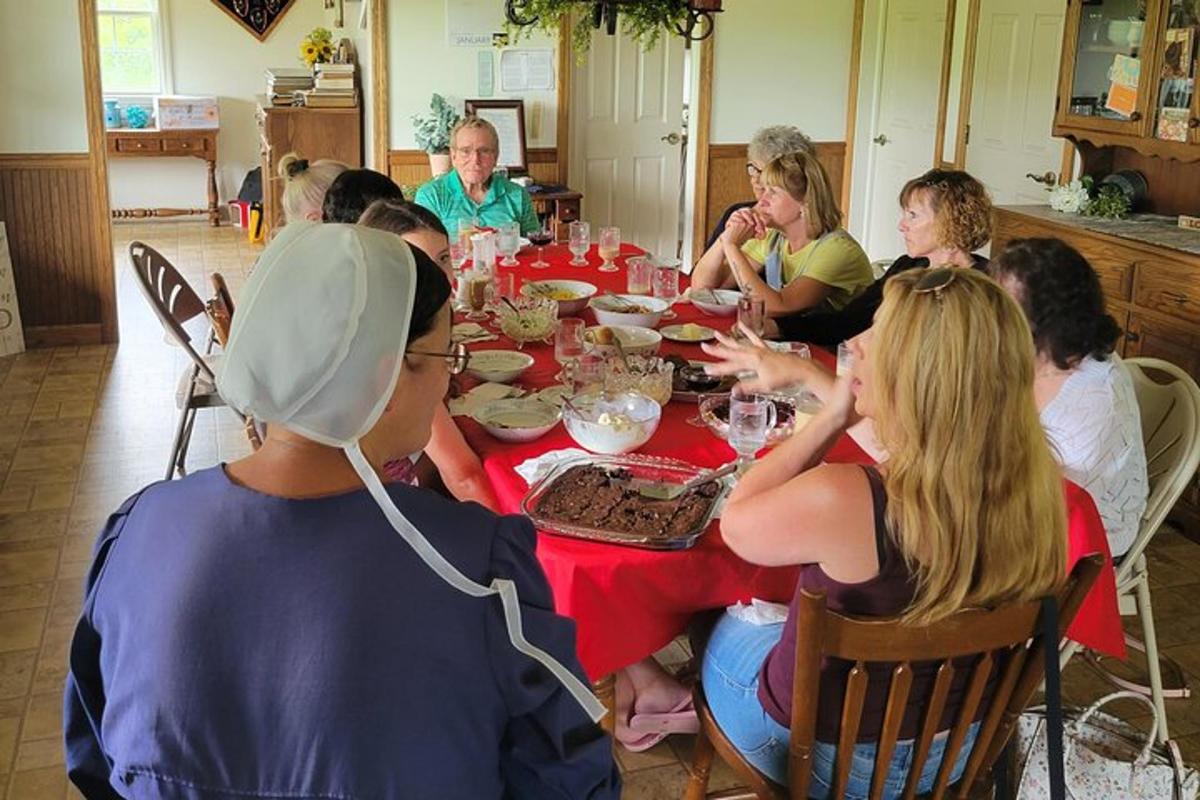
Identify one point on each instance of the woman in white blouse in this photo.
(1084, 395)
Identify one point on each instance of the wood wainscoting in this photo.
(62, 270)
(728, 184)
(411, 167)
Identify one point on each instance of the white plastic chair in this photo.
(1170, 412)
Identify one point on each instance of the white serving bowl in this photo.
(634, 340)
(716, 302)
(611, 424)
(571, 296)
(608, 310)
(520, 420)
(498, 366)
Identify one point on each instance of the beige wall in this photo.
(41, 85)
(213, 55)
(421, 63)
(781, 62)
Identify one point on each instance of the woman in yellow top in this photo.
(789, 249)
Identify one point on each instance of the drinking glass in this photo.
(504, 285)
(665, 286)
(752, 313)
(543, 236)
(804, 398)
(464, 230)
(751, 418)
(640, 271)
(845, 359)
(508, 242)
(609, 247)
(483, 252)
(579, 239)
(479, 285)
(568, 344)
(587, 373)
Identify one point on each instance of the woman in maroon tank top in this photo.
(967, 511)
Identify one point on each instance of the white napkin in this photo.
(481, 395)
(467, 332)
(534, 468)
(759, 612)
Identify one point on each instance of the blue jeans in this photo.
(732, 662)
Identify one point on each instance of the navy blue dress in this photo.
(238, 645)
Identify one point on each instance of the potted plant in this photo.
(645, 21)
(432, 132)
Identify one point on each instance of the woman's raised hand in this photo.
(771, 370)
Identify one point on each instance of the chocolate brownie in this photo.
(597, 498)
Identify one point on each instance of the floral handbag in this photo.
(1102, 757)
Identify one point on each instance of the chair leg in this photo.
(187, 441)
(1152, 662)
(181, 428)
(702, 760)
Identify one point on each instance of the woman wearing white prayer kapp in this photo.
(260, 629)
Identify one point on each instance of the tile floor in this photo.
(83, 427)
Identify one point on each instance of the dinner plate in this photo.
(690, 332)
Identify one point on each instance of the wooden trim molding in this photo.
(104, 279)
(562, 129)
(702, 121)
(968, 85)
(939, 142)
(63, 335)
(380, 119)
(856, 35)
(45, 160)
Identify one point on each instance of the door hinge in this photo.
(967, 135)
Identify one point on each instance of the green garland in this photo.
(644, 21)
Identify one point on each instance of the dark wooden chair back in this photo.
(1005, 641)
(173, 300)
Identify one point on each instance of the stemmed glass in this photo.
(569, 345)
(508, 242)
(543, 236)
(610, 247)
(751, 312)
(579, 239)
(665, 286)
(751, 418)
(479, 285)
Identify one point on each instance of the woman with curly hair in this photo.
(945, 215)
(1084, 396)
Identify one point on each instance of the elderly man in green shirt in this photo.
(470, 190)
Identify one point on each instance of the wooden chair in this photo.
(1005, 641)
(220, 314)
(175, 303)
(1170, 411)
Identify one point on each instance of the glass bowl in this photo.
(611, 424)
(715, 413)
(533, 320)
(648, 375)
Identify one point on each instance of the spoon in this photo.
(509, 303)
(618, 298)
(621, 353)
(659, 490)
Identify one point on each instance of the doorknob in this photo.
(1049, 179)
(881, 140)
(672, 138)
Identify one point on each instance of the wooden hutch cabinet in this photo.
(1127, 101)
(312, 133)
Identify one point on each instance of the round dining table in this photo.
(627, 602)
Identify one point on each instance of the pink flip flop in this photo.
(638, 732)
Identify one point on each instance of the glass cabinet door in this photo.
(1175, 96)
(1110, 76)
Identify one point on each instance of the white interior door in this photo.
(905, 122)
(1012, 101)
(627, 139)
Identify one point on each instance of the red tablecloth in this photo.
(628, 602)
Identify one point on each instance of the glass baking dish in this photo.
(645, 467)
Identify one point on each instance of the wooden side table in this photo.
(154, 143)
(562, 206)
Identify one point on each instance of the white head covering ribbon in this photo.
(317, 347)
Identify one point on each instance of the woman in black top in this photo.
(945, 214)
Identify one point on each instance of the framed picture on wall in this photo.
(508, 118)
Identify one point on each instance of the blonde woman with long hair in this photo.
(790, 248)
(968, 511)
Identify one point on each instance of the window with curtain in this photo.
(131, 46)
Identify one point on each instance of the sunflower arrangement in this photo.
(317, 47)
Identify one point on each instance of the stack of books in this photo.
(333, 87)
(283, 83)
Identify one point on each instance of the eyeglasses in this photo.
(753, 170)
(482, 152)
(935, 280)
(456, 361)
